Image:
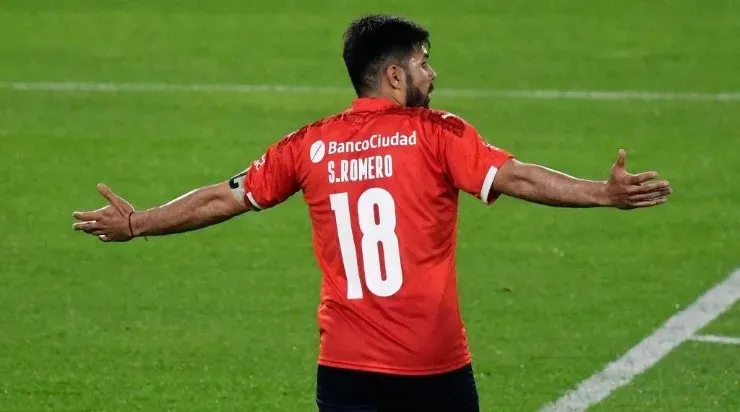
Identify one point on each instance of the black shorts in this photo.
(345, 390)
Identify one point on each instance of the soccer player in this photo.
(381, 180)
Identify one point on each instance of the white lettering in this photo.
(371, 168)
(373, 142)
(330, 166)
(353, 172)
(357, 170)
(345, 171)
(362, 165)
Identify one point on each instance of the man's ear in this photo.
(395, 76)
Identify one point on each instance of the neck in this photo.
(388, 95)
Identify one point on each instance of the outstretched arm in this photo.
(195, 210)
(268, 181)
(542, 185)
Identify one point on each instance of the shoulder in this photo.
(300, 135)
(441, 120)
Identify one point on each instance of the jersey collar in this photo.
(365, 104)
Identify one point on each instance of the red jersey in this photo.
(381, 182)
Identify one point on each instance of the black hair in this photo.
(373, 42)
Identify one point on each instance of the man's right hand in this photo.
(109, 223)
(630, 191)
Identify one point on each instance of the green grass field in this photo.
(224, 318)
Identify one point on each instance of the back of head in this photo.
(373, 42)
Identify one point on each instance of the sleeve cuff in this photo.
(250, 198)
(487, 195)
(485, 190)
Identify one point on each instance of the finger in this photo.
(88, 216)
(108, 194)
(649, 187)
(621, 158)
(104, 238)
(652, 195)
(648, 203)
(86, 225)
(642, 177)
(95, 232)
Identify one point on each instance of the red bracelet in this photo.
(130, 228)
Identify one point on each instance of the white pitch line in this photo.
(552, 94)
(637, 360)
(727, 340)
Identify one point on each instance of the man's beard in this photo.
(415, 97)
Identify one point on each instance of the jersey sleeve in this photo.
(269, 180)
(468, 160)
